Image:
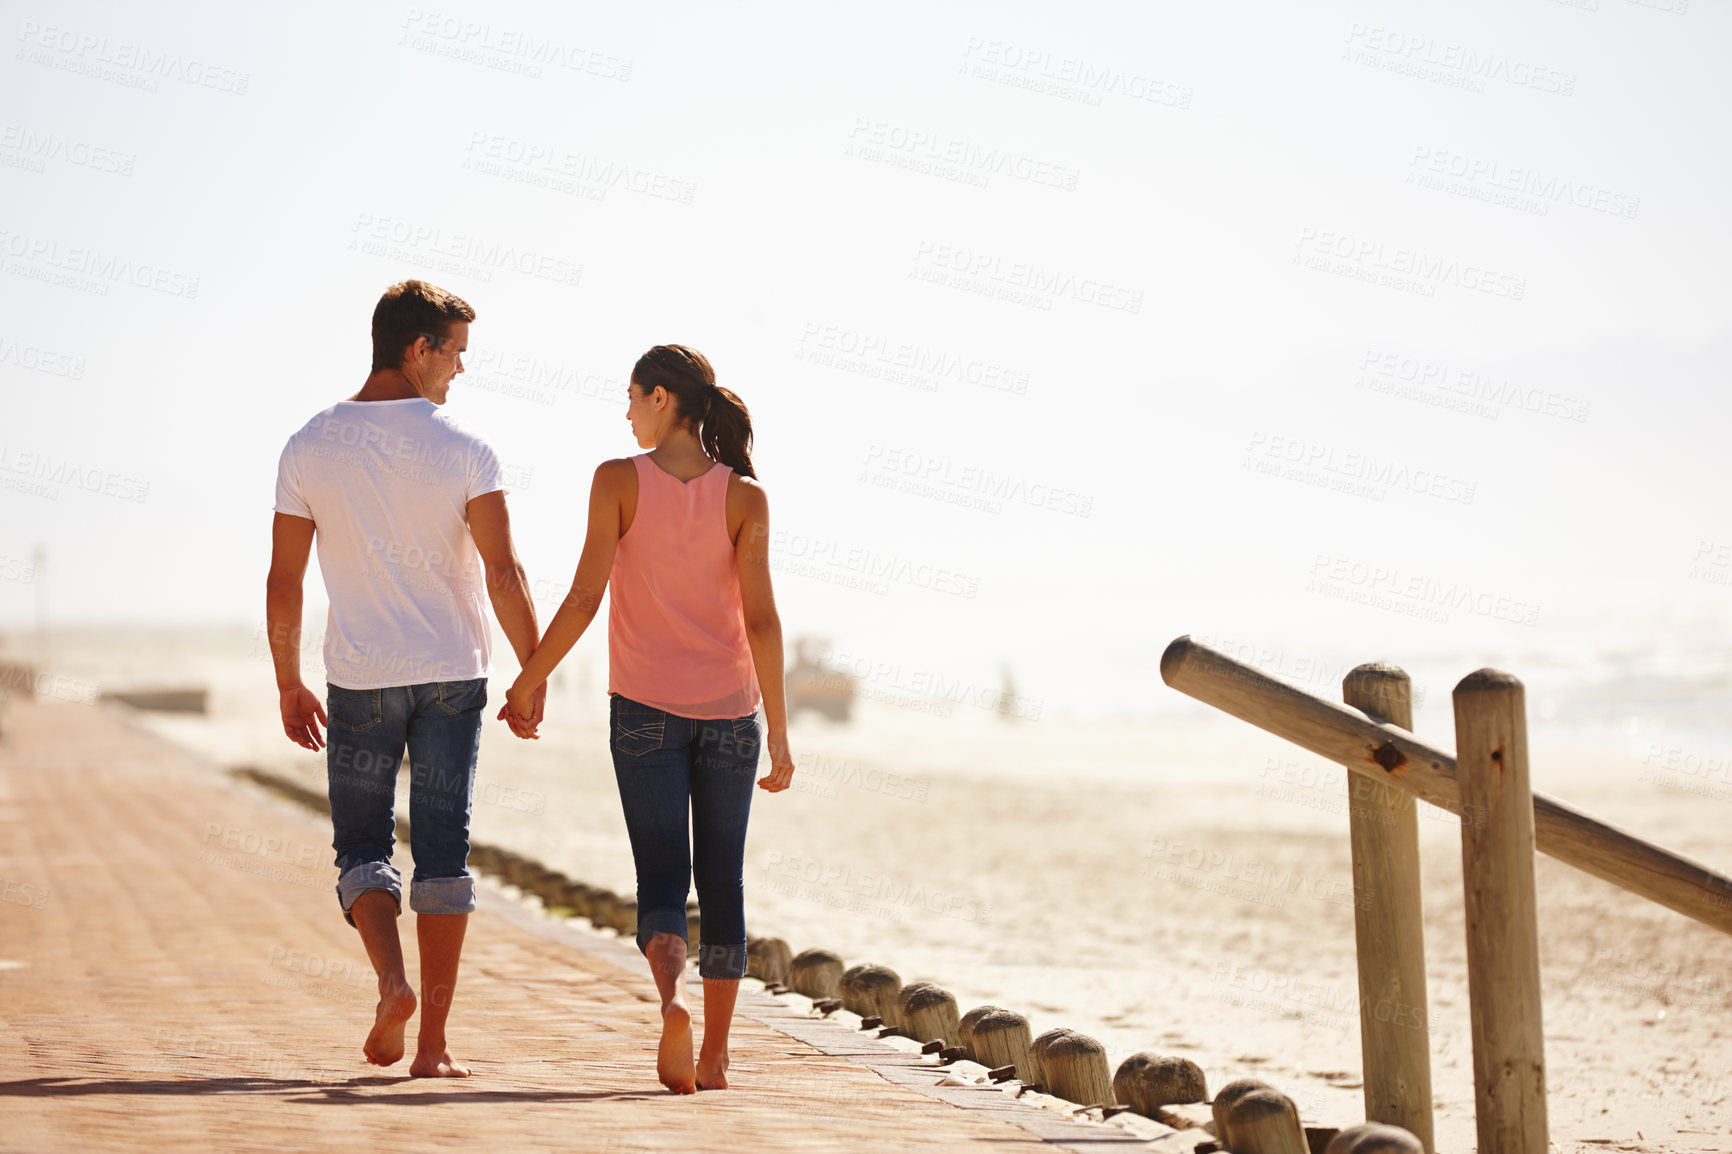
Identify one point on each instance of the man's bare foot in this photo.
(713, 1071)
(436, 1064)
(384, 1045)
(674, 1055)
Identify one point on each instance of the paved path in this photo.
(175, 974)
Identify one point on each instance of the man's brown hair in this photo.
(412, 309)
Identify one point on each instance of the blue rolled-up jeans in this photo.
(672, 771)
(439, 724)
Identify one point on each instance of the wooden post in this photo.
(1386, 753)
(1223, 1104)
(965, 1026)
(1145, 1082)
(1503, 953)
(769, 959)
(603, 905)
(996, 1037)
(1265, 1121)
(928, 1012)
(1375, 1138)
(870, 991)
(519, 870)
(816, 973)
(1077, 1071)
(1036, 1074)
(845, 988)
(577, 897)
(1388, 921)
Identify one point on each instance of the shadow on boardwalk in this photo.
(143, 1005)
(326, 1094)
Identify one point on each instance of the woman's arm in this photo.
(764, 632)
(587, 586)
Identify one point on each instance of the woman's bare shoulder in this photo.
(743, 488)
(614, 470)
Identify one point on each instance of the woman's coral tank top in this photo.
(676, 633)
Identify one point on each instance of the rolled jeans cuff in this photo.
(442, 895)
(372, 875)
(722, 962)
(660, 920)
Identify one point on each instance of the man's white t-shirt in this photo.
(387, 486)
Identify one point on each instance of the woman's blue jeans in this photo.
(672, 771)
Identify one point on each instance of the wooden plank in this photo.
(1393, 755)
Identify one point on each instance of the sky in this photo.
(1377, 328)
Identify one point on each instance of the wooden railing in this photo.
(1503, 822)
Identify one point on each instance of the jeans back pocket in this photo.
(747, 738)
(457, 697)
(354, 710)
(637, 729)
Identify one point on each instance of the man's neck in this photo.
(386, 385)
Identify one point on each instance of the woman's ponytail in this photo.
(724, 425)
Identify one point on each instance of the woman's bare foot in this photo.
(674, 1055)
(436, 1064)
(713, 1071)
(384, 1045)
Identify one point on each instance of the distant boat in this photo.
(812, 685)
(1007, 695)
(164, 700)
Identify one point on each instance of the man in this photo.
(400, 500)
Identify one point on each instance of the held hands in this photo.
(524, 708)
(302, 716)
(781, 773)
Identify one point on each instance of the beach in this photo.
(1179, 883)
(166, 987)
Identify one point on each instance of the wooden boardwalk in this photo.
(175, 974)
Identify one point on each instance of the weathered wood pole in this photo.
(845, 989)
(1145, 1082)
(550, 888)
(1388, 921)
(1503, 949)
(1386, 753)
(928, 1012)
(996, 1037)
(603, 906)
(1222, 1106)
(870, 991)
(965, 1026)
(769, 959)
(1077, 1071)
(1375, 1138)
(1265, 1121)
(817, 973)
(577, 897)
(1036, 1072)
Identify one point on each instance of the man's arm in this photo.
(764, 632)
(507, 583)
(291, 545)
(594, 568)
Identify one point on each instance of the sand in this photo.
(1180, 884)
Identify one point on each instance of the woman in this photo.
(682, 533)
